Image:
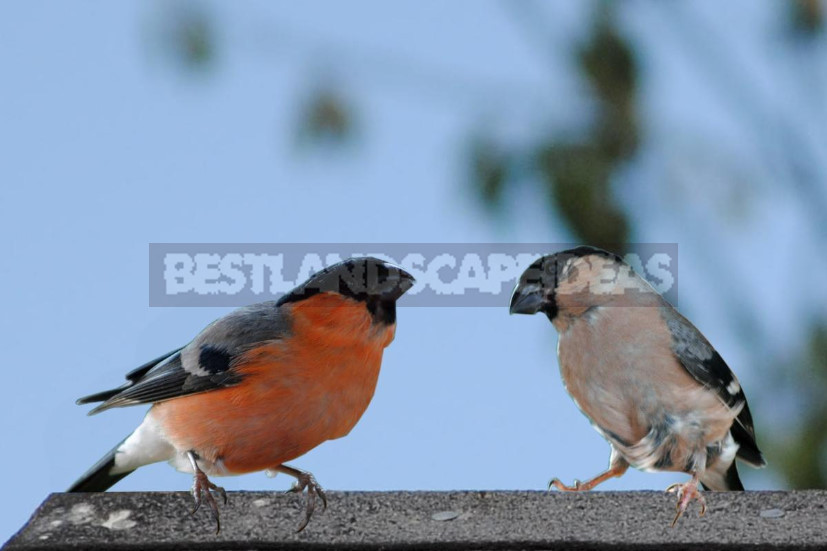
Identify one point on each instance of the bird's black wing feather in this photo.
(171, 380)
(207, 363)
(131, 377)
(701, 360)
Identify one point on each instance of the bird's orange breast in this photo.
(295, 393)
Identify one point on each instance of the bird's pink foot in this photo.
(616, 469)
(686, 493)
(203, 489)
(577, 487)
(305, 481)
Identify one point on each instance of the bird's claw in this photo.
(556, 483)
(308, 482)
(686, 493)
(203, 489)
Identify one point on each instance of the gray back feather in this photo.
(207, 362)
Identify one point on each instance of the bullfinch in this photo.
(646, 378)
(262, 385)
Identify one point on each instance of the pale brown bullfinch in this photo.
(646, 378)
(262, 385)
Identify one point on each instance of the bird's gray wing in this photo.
(701, 360)
(206, 363)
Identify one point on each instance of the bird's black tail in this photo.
(728, 481)
(99, 478)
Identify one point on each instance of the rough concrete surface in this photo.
(430, 520)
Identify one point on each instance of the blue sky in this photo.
(105, 147)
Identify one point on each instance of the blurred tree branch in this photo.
(801, 448)
(576, 175)
(186, 33)
(807, 16)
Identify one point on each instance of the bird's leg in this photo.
(686, 493)
(617, 467)
(201, 486)
(304, 480)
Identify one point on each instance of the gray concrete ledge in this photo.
(430, 520)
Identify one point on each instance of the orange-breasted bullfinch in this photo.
(646, 378)
(262, 385)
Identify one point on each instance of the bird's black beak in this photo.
(397, 283)
(526, 299)
(406, 281)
